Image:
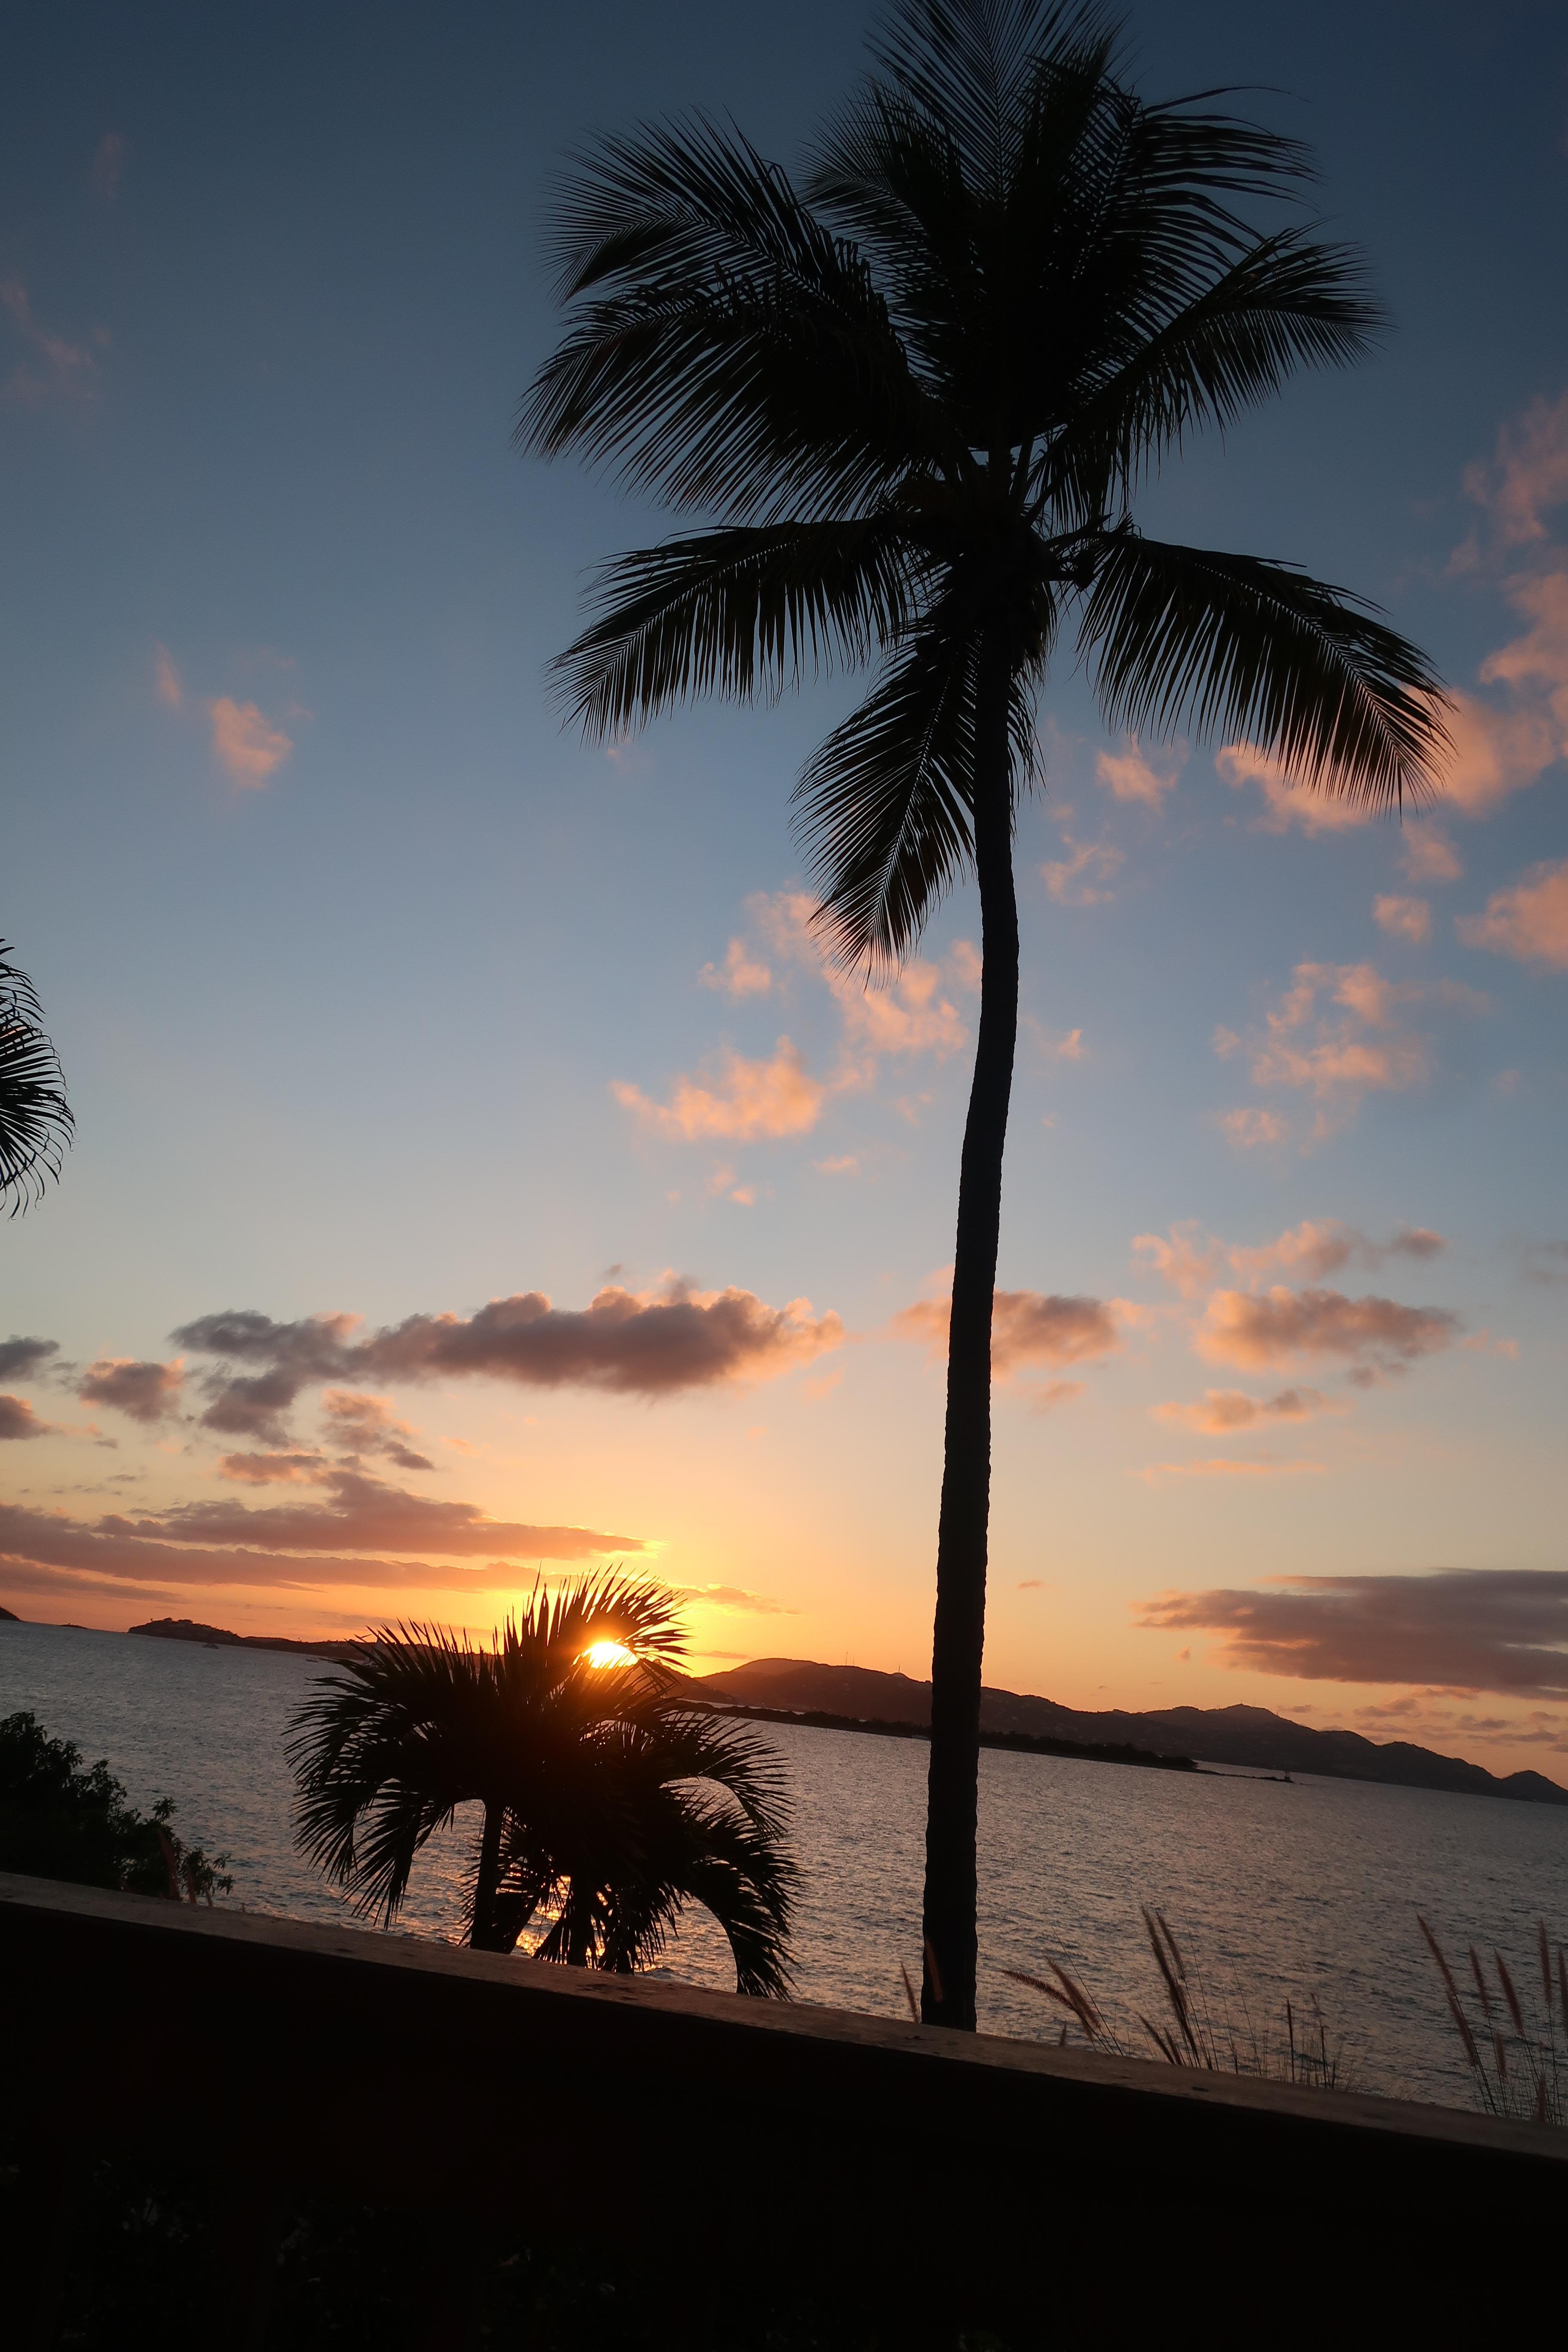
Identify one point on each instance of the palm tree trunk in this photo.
(947, 1995)
(482, 1935)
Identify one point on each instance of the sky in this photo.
(478, 1171)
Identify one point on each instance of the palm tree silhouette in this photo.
(608, 1801)
(921, 397)
(36, 1120)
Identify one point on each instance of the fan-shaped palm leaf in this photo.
(606, 1800)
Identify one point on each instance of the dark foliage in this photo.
(61, 1820)
(37, 1122)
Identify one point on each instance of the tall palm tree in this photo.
(607, 1802)
(920, 396)
(36, 1120)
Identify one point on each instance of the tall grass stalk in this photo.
(1213, 2032)
(1517, 2069)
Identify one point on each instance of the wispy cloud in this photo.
(170, 693)
(1080, 879)
(1523, 480)
(55, 368)
(741, 974)
(1188, 1261)
(245, 743)
(1132, 774)
(366, 1514)
(1428, 855)
(1222, 1411)
(1501, 1629)
(1403, 918)
(1340, 1032)
(1529, 922)
(109, 164)
(741, 1099)
(1285, 801)
(1249, 1129)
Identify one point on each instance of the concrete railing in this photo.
(964, 2167)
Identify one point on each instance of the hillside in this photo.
(1219, 1735)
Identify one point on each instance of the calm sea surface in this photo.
(1276, 1890)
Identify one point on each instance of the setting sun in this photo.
(610, 1653)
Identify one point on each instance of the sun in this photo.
(610, 1653)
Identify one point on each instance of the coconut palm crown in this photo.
(608, 1804)
(914, 400)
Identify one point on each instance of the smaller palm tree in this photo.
(609, 1803)
(36, 1120)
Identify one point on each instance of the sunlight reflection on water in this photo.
(1280, 1890)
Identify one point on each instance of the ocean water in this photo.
(1274, 1891)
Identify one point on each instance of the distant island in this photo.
(862, 1698)
(214, 1637)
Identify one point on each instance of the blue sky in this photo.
(347, 948)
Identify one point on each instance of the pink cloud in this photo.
(245, 742)
(1527, 476)
(1078, 879)
(1403, 918)
(1287, 803)
(1377, 1337)
(1189, 1260)
(1529, 922)
(1130, 775)
(1248, 1129)
(170, 691)
(1428, 855)
(18, 1419)
(1027, 1327)
(1339, 1056)
(147, 1392)
(740, 975)
(1224, 1411)
(742, 1102)
(1495, 753)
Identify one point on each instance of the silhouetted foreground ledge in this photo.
(965, 2168)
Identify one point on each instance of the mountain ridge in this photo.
(1237, 1735)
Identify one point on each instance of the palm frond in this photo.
(883, 805)
(37, 1122)
(735, 354)
(1177, 636)
(1286, 303)
(736, 611)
